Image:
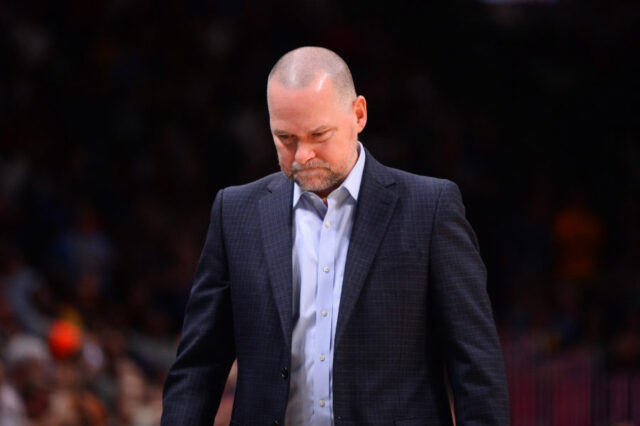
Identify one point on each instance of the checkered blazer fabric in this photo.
(414, 312)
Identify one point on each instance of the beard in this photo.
(314, 176)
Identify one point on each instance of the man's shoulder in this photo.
(254, 190)
(405, 176)
(403, 179)
(411, 182)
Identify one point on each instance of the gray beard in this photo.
(328, 181)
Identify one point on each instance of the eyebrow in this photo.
(322, 128)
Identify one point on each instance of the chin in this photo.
(316, 185)
(317, 180)
(312, 186)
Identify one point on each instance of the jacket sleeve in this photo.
(196, 380)
(464, 319)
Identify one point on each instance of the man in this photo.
(349, 292)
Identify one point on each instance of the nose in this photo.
(304, 152)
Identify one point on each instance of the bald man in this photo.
(350, 293)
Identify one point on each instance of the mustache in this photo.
(311, 164)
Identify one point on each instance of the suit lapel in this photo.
(376, 202)
(275, 218)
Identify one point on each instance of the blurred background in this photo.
(119, 121)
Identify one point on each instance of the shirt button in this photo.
(321, 402)
(327, 224)
(324, 313)
(321, 357)
(325, 269)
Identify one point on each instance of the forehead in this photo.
(302, 107)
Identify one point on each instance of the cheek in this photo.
(353, 131)
(284, 157)
(347, 146)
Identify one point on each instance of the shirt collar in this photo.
(351, 183)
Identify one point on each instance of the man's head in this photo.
(315, 117)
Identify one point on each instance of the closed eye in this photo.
(322, 135)
(284, 137)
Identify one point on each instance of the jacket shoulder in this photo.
(412, 182)
(254, 190)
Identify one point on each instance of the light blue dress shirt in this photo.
(320, 242)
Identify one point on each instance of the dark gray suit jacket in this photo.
(414, 308)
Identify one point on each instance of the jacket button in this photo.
(285, 373)
(275, 423)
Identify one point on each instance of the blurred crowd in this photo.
(120, 120)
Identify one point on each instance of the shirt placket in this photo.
(324, 317)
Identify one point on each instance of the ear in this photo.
(360, 112)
